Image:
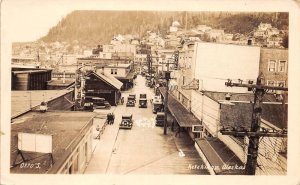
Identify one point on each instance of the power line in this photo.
(255, 132)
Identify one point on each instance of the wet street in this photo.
(144, 149)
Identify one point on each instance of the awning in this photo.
(220, 157)
(180, 113)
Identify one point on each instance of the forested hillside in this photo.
(92, 27)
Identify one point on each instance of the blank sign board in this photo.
(197, 128)
(35, 142)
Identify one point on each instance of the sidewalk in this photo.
(103, 148)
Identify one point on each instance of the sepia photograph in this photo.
(136, 92)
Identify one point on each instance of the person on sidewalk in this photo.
(112, 118)
(108, 119)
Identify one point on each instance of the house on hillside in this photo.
(264, 26)
(215, 34)
(272, 31)
(274, 41)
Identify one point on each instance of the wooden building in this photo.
(103, 86)
(30, 79)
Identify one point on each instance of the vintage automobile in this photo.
(157, 104)
(126, 121)
(130, 101)
(133, 96)
(92, 103)
(142, 103)
(160, 119)
(143, 96)
(156, 99)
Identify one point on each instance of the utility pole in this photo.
(255, 132)
(167, 78)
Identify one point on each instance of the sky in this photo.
(28, 20)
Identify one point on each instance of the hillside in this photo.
(92, 27)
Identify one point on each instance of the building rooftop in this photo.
(32, 71)
(239, 113)
(111, 80)
(65, 128)
(181, 114)
(218, 155)
(22, 101)
(118, 66)
(67, 82)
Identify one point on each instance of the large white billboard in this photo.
(213, 63)
(35, 142)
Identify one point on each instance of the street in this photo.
(143, 149)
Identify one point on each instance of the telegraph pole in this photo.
(255, 133)
(167, 78)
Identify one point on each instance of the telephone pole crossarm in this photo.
(253, 86)
(255, 132)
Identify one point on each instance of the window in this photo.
(104, 55)
(113, 71)
(270, 83)
(280, 83)
(282, 66)
(272, 66)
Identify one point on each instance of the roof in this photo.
(64, 127)
(32, 71)
(218, 155)
(21, 101)
(240, 113)
(180, 113)
(60, 82)
(129, 76)
(118, 66)
(111, 80)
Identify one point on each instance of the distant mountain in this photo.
(93, 27)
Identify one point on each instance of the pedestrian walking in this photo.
(112, 118)
(108, 118)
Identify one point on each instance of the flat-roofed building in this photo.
(71, 134)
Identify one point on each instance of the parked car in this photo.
(142, 103)
(133, 96)
(143, 96)
(158, 107)
(92, 103)
(126, 121)
(130, 101)
(160, 119)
